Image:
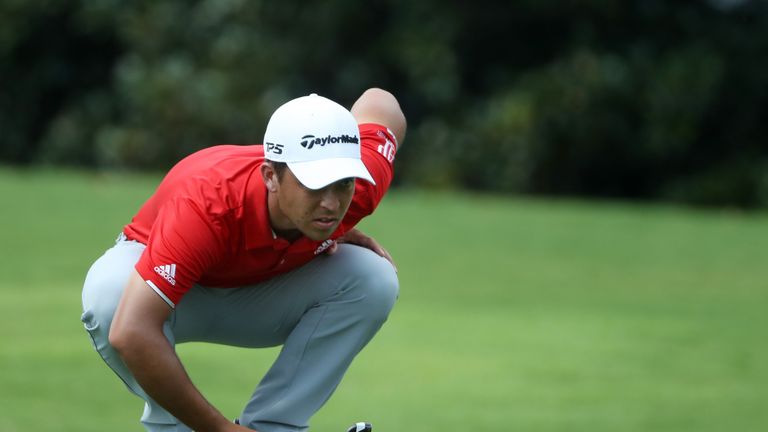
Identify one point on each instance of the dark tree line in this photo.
(642, 99)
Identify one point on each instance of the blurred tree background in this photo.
(642, 99)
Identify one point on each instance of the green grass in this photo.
(513, 315)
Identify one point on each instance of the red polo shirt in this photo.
(208, 221)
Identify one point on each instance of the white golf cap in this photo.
(318, 139)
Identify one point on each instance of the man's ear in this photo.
(269, 175)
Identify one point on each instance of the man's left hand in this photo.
(356, 237)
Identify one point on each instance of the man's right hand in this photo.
(356, 237)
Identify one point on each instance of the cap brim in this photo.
(318, 174)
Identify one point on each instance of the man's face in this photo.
(315, 213)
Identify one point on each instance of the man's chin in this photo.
(318, 234)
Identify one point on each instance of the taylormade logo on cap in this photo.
(318, 139)
(309, 141)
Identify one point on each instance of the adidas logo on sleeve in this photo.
(168, 272)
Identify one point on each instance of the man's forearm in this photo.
(160, 373)
(137, 335)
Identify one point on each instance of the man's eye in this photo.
(347, 182)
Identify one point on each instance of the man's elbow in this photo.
(379, 105)
(387, 102)
(122, 338)
(379, 94)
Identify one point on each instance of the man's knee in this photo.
(375, 282)
(102, 289)
(106, 280)
(381, 291)
(100, 300)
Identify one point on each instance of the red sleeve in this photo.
(182, 245)
(378, 148)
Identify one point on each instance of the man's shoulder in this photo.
(215, 177)
(218, 163)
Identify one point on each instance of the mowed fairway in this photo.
(514, 315)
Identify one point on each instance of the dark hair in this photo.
(279, 168)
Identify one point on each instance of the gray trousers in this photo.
(323, 314)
